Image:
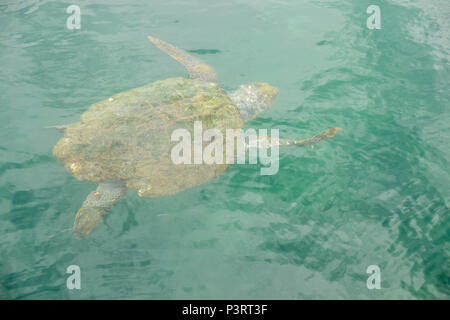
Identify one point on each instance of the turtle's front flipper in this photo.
(313, 140)
(97, 205)
(268, 142)
(196, 67)
(63, 127)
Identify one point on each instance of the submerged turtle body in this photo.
(128, 136)
(125, 142)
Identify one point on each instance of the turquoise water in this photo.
(376, 194)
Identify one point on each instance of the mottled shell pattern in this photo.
(128, 136)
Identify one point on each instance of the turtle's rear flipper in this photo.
(97, 205)
(196, 67)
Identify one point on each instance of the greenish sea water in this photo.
(376, 194)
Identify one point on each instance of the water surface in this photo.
(376, 194)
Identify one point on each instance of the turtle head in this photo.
(254, 97)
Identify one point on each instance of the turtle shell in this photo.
(128, 136)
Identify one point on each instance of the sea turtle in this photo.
(124, 142)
